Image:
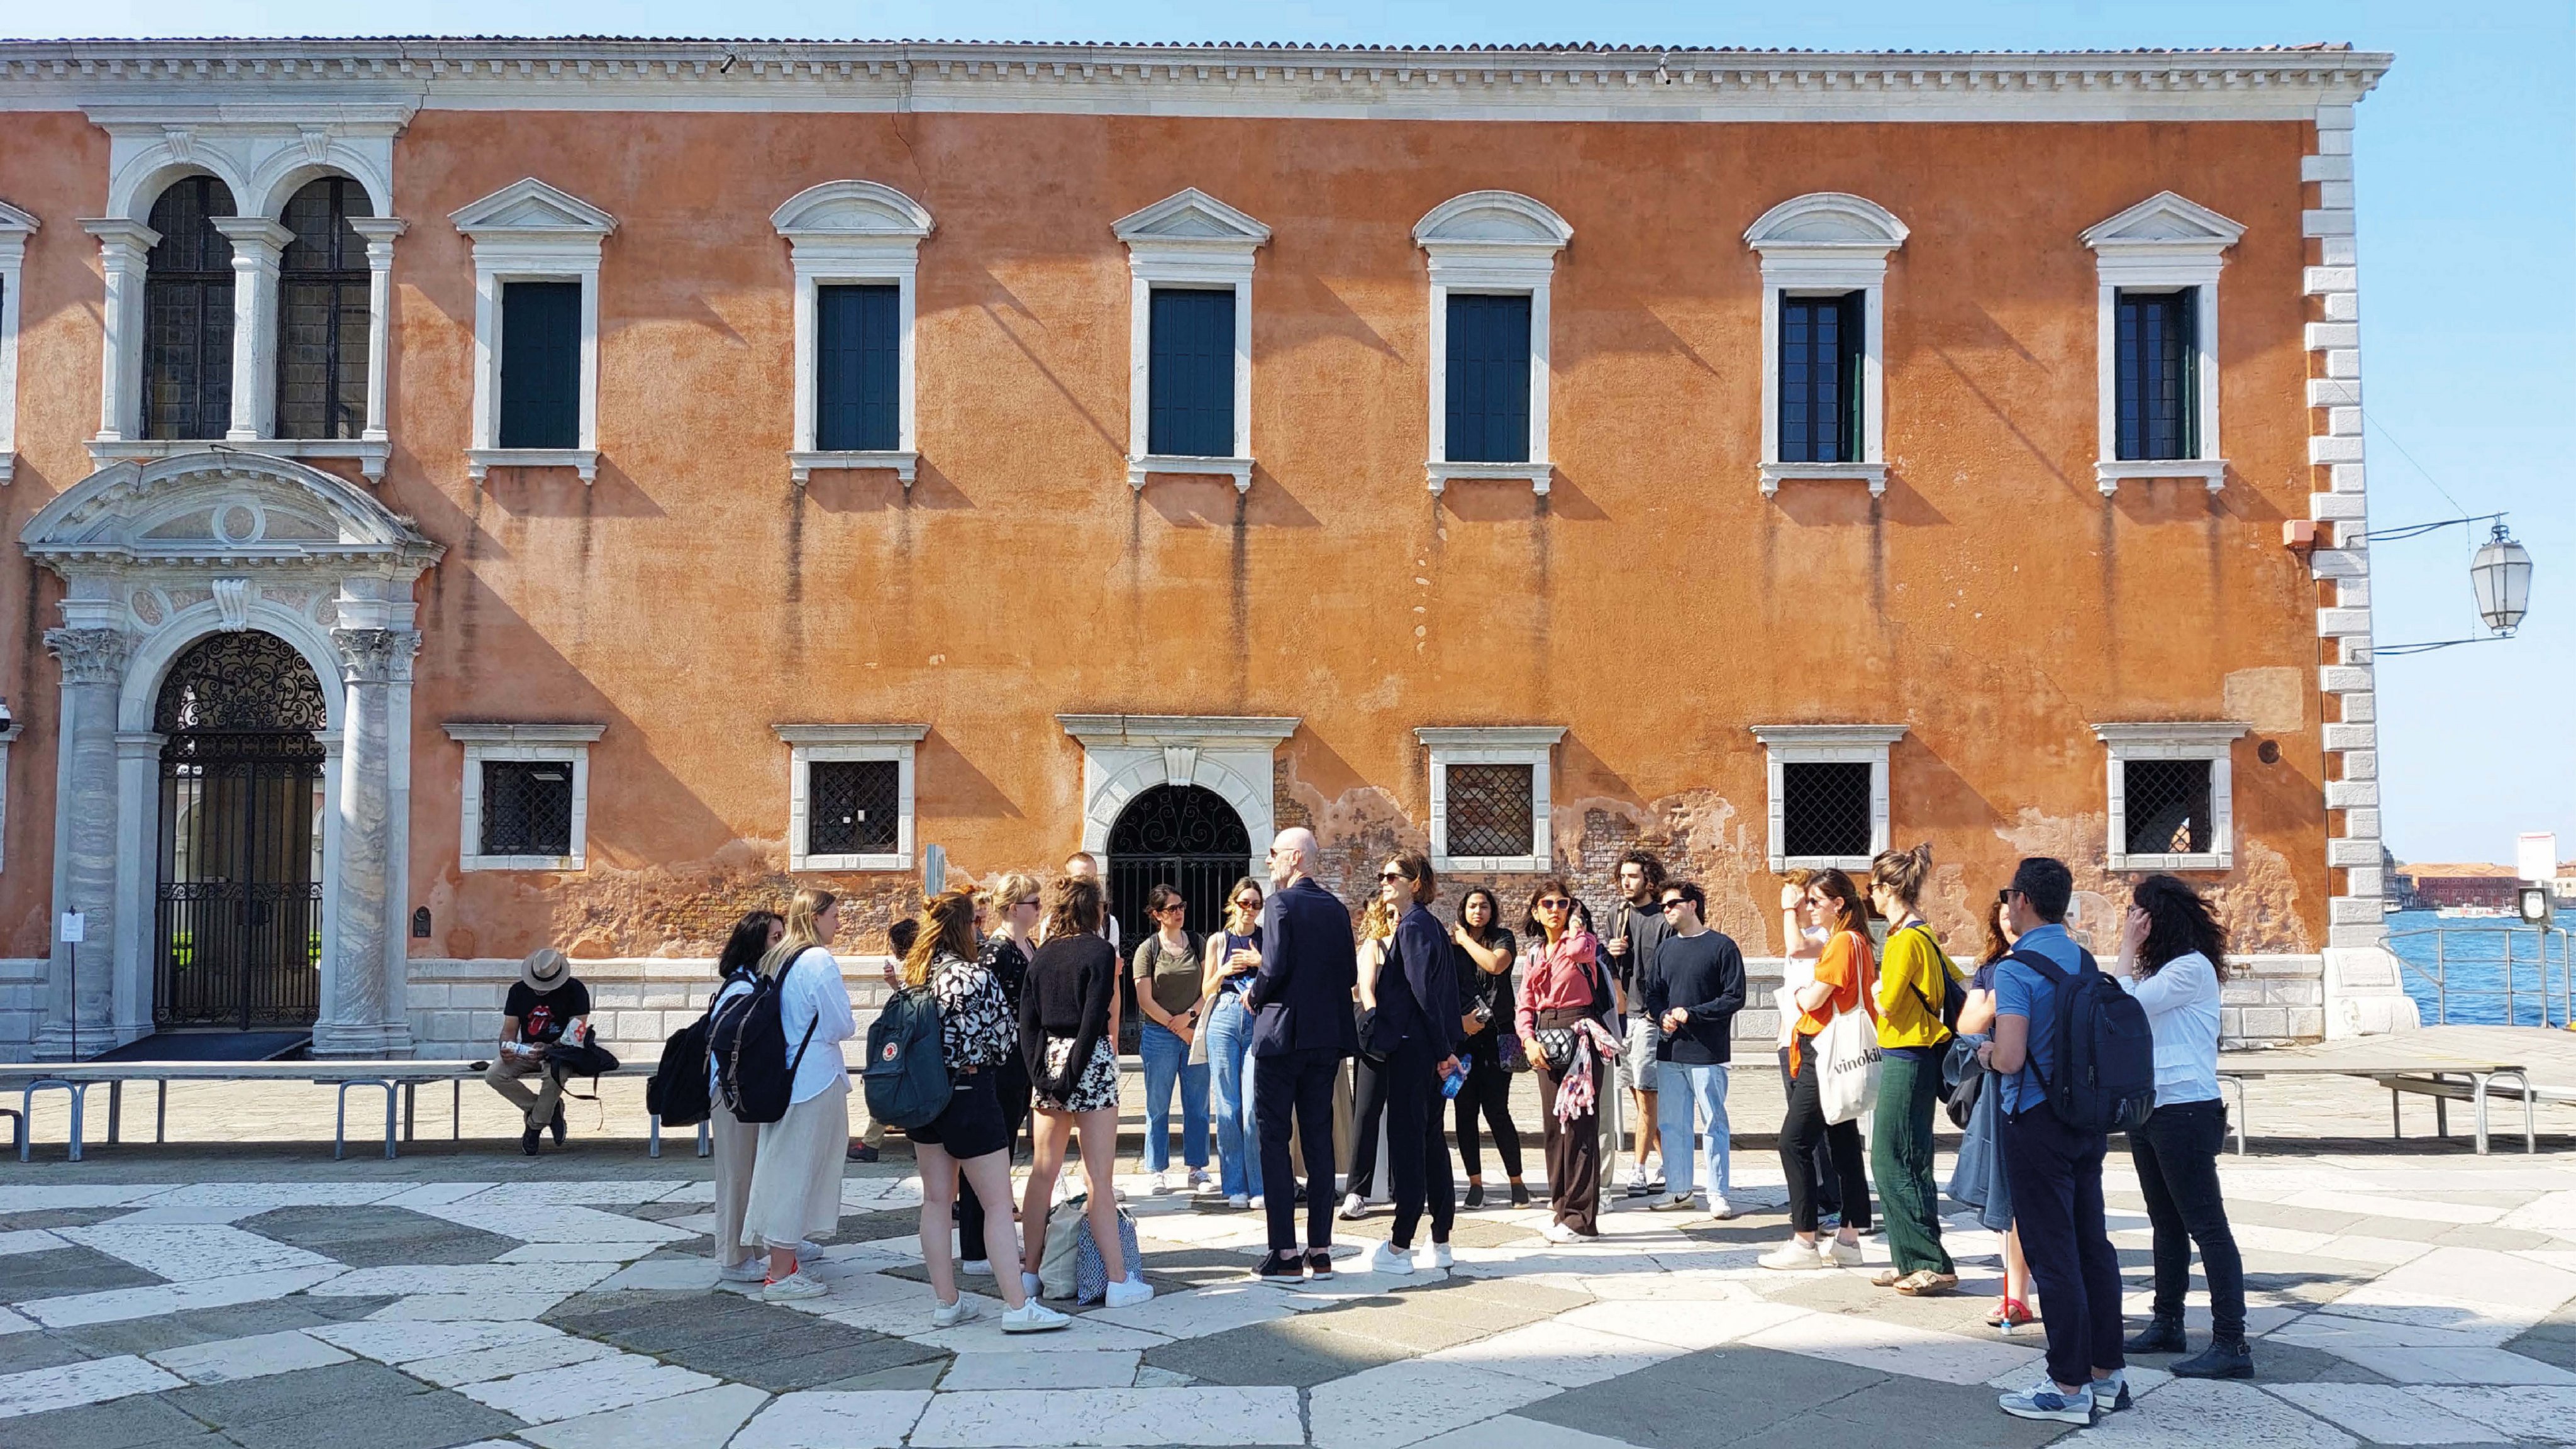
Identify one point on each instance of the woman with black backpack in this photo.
(1915, 980)
(733, 1140)
(796, 1176)
(971, 1138)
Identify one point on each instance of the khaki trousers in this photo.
(735, 1143)
(536, 1107)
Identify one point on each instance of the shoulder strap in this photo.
(1938, 955)
(2057, 975)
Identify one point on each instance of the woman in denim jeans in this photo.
(1167, 993)
(1233, 955)
(2173, 955)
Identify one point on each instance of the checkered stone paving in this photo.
(2395, 1300)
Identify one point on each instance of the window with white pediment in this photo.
(854, 247)
(1189, 395)
(1824, 338)
(1493, 263)
(2156, 354)
(536, 268)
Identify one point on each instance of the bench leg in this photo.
(390, 1091)
(653, 1146)
(2238, 1083)
(80, 1115)
(161, 1113)
(115, 1113)
(2478, 1097)
(340, 1126)
(411, 1100)
(706, 1141)
(2442, 1109)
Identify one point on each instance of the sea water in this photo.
(2471, 957)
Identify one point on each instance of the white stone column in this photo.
(380, 232)
(361, 1013)
(80, 985)
(124, 247)
(257, 245)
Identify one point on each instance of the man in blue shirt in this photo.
(2055, 1170)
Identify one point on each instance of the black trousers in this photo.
(1368, 1117)
(1297, 1083)
(1823, 1182)
(1014, 1086)
(1417, 1149)
(2176, 1153)
(2056, 1175)
(1802, 1131)
(1488, 1091)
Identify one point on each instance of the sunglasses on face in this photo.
(1393, 875)
(1672, 901)
(1554, 903)
(2005, 896)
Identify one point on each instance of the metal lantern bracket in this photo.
(2499, 577)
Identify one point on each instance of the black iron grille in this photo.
(527, 807)
(853, 807)
(2168, 807)
(1489, 810)
(1824, 810)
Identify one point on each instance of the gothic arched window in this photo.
(188, 314)
(322, 313)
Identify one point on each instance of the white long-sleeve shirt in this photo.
(811, 993)
(2182, 1010)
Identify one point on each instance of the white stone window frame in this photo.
(15, 227)
(826, 743)
(531, 232)
(1827, 244)
(853, 233)
(1531, 745)
(1187, 241)
(1491, 243)
(2163, 244)
(1827, 744)
(2211, 740)
(530, 742)
(263, 158)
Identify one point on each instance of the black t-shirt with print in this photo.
(542, 1018)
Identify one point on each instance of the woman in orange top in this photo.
(1842, 980)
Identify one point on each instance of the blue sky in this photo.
(2467, 190)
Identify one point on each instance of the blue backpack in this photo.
(2106, 1055)
(906, 1078)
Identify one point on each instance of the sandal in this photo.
(1926, 1282)
(2010, 1314)
(1886, 1278)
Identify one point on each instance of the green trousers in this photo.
(1900, 1158)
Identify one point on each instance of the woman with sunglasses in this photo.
(1167, 972)
(1233, 955)
(1843, 979)
(1563, 999)
(1009, 912)
(1482, 952)
(1977, 1176)
(1368, 1076)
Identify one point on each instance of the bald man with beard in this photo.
(1301, 1031)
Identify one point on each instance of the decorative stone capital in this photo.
(90, 656)
(376, 656)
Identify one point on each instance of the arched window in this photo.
(322, 313)
(188, 314)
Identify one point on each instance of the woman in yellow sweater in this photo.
(1914, 978)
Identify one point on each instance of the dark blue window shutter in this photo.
(1820, 372)
(540, 365)
(1489, 378)
(2156, 355)
(858, 369)
(1189, 385)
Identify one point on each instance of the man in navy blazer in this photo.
(1301, 1031)
(1417, 1027)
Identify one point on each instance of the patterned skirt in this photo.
(1097, 1087)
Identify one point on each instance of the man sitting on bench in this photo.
(543, 1005)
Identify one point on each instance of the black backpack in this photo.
(677, 1094)
(906, 1079)
(2106, 1055)
(748, 1041)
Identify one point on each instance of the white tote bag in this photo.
(1847, 1065)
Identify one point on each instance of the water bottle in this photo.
(1456, 1079)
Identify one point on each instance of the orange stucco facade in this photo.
(1653, 601)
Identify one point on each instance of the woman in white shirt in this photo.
(2173, 955)
(796, 1177)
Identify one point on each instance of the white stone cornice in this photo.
(852, 734)
(476, 732)
(1157, 730)
(1542, 83)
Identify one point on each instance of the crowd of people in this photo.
(1292, 1030)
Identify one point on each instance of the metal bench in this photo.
(2470, 1064)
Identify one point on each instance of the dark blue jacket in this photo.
(1419, 1001)
(1301, 999)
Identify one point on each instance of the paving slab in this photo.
(136, 1423)
(2381, 1414)
(1075, 1417)
(69, 1270)
(89, 1381)
(1299, 1352)
(376, 1236)
(827, 1419)
(356, 1387)
(701, 1420)
(433, 1419)
(225, 1360)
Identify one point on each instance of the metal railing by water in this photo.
(2520, 975)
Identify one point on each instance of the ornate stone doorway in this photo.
(237, 909)
(1183, 836)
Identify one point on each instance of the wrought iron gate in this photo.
(238, 910)
(1183, 836)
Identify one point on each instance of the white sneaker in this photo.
(1254, 1202)
(1238, 1200)
(975, 1267)
(1158, 1184)
(1719, 1208)
(1129, 1293)
(1560, 1233)
(1387, 1258)
(949, 1315)
(1792, 1256)
(1033, 1317)
(1835, 1253)
(1029, 1287)
(1353, 1207)
(794, 1286)
(1677, 1203)
(1637, 1180)
(1434, 1259)
(749, 1270)
(1199, 1180)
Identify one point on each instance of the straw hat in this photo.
(545, 969)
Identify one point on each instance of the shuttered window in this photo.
(1190, 384)
(540, 365)
(2158, 366)
(1489, 378)
(858, 369)
(322, 314)
(1820, 383)
(188, 314)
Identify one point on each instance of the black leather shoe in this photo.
(1319, 1263)
(2161, 1335)
(1285, 1267)
(2223, 1359)
(528, 1140)
(1475, 1195)
(862, 1152)
(559, 1124)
